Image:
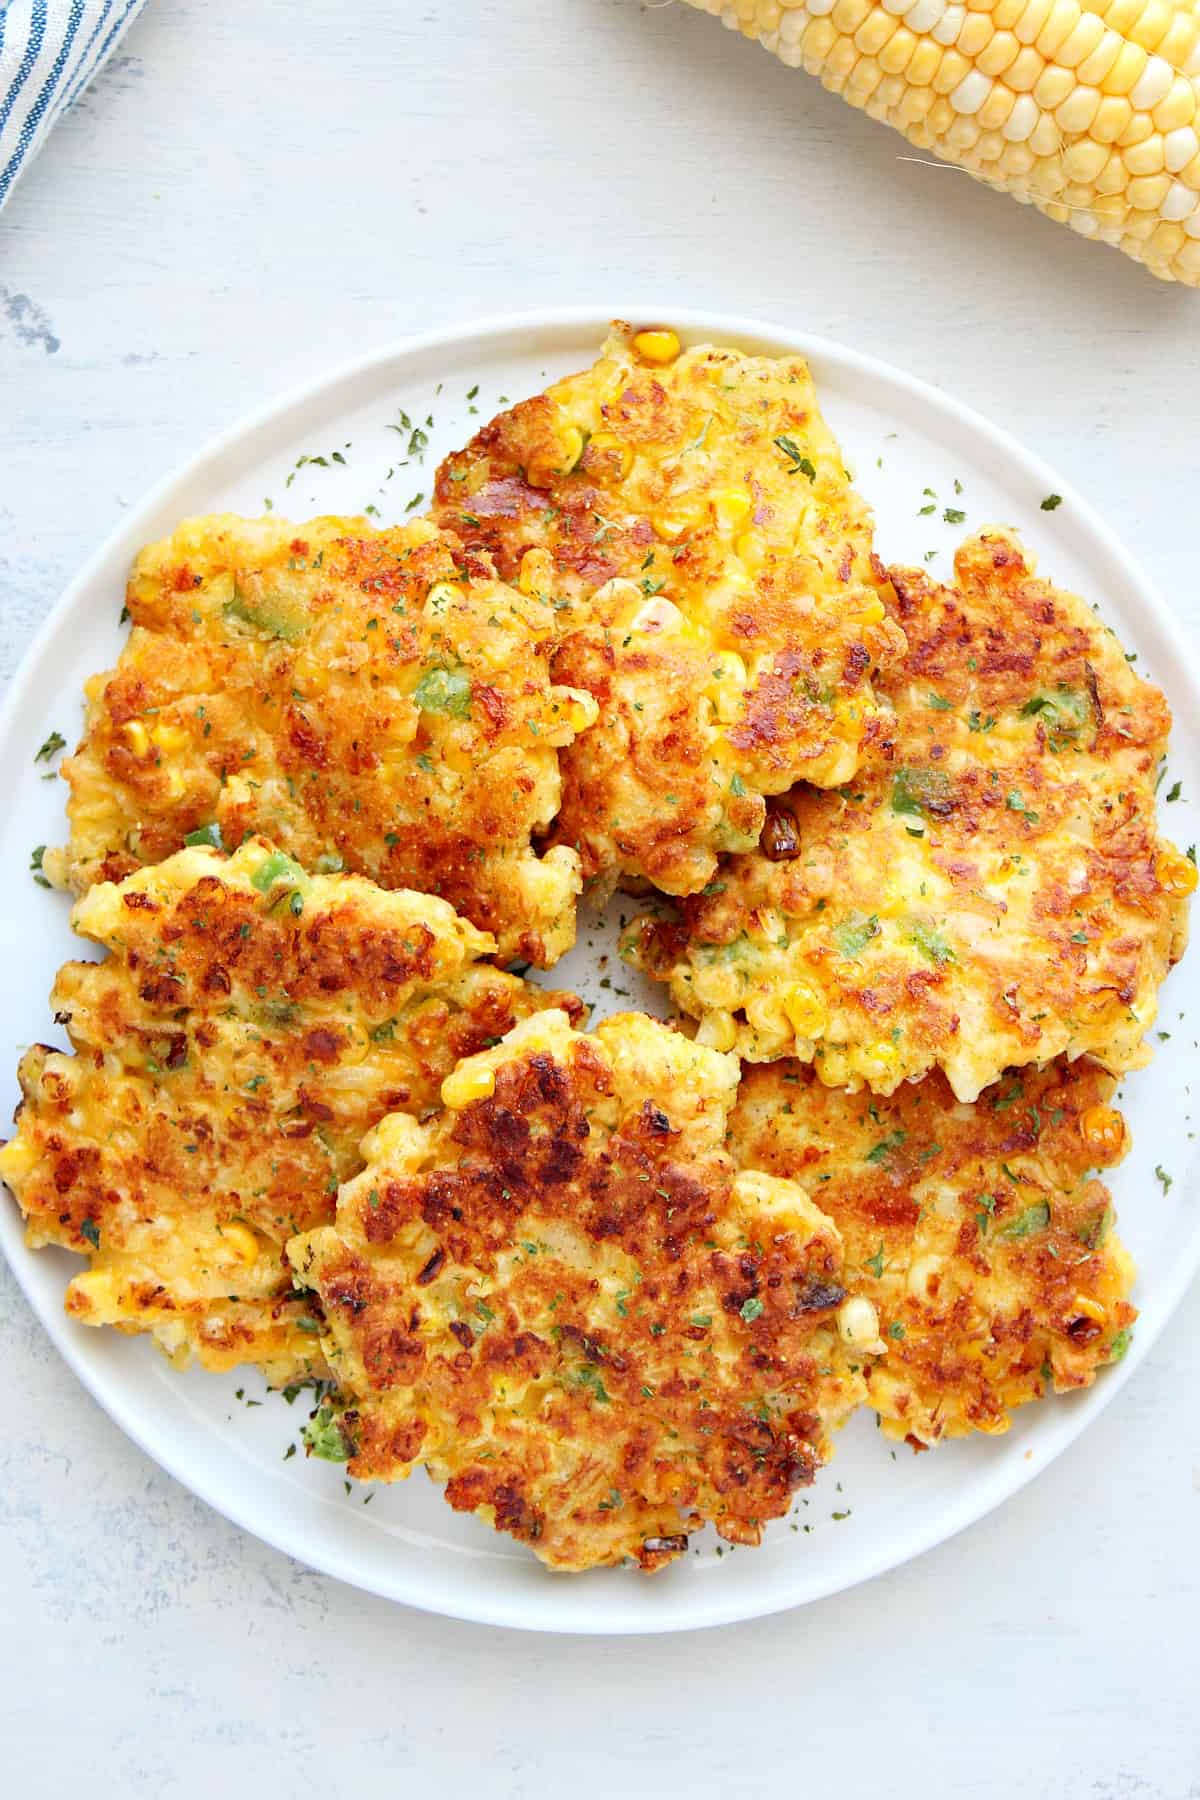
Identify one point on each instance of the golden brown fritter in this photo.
(989, 890)
(248, 1026)
(562, 1300)
(690, 518)
(374, 700)
(981, 1260)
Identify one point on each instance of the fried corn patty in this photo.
(980, 1258)
(989, 890)
(689, 516)
(561, 1298)
(374, 700)
(249, 1024)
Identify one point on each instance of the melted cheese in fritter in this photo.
(562, 1300)
(979, 1256)
(690, 518)
(989, 890)
(369, 699)
(248, 1026)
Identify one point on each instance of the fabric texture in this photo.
(49, 51)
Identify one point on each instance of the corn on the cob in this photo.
(1087, 111)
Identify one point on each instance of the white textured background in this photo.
(252, 190)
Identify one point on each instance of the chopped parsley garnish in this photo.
(800, 464)
(53, 744)
(91, 1231)
(35, 865)
(875, 1263)
(884, 1148)
(1168, 1181)
(589, 1377)
(751, 1309)
(1051, 501)
(205, 837)
(1016, 804)
(953, 516)
(1120, 1344)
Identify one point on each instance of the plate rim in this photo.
(701, 1609)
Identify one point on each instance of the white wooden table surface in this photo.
(252, 190)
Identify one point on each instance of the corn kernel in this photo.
(1095, 67)
(169, 737)
(1084, 1307)
(732, 509)
(1025, 72)
(1032, 21)
(1148, 192)
(858, 1324)
(1064, 17)
(898, 51)
(17, 1161)
(657, 346)
(1104, 1134)
(976, 33)
(1084, 160)
(137, 737)
(1113, 116)
(241, 1242)
(1178, 108)
(657, 615)
(671, 525)
(1051, 88)
(1145, 158)
(1126, 71)
(718, 1030)
(996, 56)
(805, 1009)
(537, 572)
(1176, 874)
(1077, 112)
(470, 1082)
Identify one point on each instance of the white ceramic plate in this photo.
(901, 440)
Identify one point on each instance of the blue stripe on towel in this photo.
(87, 67)
(38, 110)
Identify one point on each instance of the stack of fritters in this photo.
(689, 517)
(369, 700)
(904, 835)
(564, 1300)
(249, 1025)
(990, 888)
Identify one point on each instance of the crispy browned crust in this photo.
(989, 890)
(376, 699)
(974, 1231)
(711, 569)
(230, 1054)
(563, 1301)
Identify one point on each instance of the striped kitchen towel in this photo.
(49, 51)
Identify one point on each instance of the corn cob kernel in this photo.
(1088, 109)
